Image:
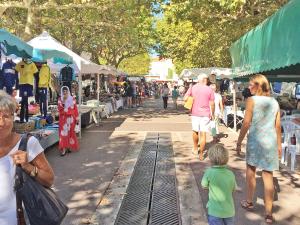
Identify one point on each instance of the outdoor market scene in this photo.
(149, 112)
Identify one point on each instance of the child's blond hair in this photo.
(218, 155)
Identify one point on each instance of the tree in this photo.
(137, 65)
(203, 30)
(111, 30)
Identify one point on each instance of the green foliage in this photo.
(137, 65)
(111, 30)
(199, 33)
(170, 74)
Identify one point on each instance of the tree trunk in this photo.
(29, 21)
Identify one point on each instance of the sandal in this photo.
(269, 219)
(195, 152)
(247, 205)
(63, 152)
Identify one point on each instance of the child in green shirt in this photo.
(220, 182)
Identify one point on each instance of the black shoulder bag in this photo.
(42, 205)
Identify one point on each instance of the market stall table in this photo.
(96, 112)
(291, 151)
(47, 136)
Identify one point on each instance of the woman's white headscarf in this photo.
(69, 101)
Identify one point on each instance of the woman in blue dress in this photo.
(262, 119)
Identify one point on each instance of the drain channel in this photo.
(151, 197)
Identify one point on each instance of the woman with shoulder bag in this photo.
(33, 161)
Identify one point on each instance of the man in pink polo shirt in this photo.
(202, 112)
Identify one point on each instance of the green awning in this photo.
(11, 44)
(272, 48)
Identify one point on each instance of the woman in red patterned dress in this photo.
(68, 118)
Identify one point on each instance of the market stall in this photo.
(80, 65)
(45, 130)
(273, 49)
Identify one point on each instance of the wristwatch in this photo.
(34, 172)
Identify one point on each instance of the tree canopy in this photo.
(110, 30)
(194, 33)
(199, 33)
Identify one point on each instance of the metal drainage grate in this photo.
(151, 197)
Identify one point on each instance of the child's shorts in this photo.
(212, 220)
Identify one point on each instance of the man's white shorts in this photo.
(200, 124)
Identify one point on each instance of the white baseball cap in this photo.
(202, 76)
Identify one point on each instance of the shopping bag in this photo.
(42, 205)
(77, 129)
(213, 128)
(189, 103)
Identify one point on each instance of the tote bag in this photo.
(189, 103)
(42, 205)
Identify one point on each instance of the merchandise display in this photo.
(9, 76)
(26, 70)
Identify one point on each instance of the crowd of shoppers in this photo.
(263, 149)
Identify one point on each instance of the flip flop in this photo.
(269, 219)
(247, 205)
(195, 152)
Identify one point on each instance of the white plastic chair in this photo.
(289, 130)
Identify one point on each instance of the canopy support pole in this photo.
(79, 99)
(98, 87)
(234, 106)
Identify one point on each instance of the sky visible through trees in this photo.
(195, 33)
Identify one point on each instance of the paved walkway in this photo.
(99, 173)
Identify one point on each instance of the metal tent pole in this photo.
(234, 106)
(98, 87)
(79, 99)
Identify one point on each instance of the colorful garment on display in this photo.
(27, 71)
(26, 90)
(68, 115)
(67, 74)
(44, 76)
(10, 75)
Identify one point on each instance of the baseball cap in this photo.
(202, 76)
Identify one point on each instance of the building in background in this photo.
(163, 68)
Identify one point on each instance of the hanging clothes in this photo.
(43, 85)
(26, 81)
(68, 116)
(27, 71)
(9, 76)
(224, 85)
(66, 76)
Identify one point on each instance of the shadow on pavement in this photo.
(82, 177)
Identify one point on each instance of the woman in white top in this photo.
(33, 161)
(219, 109)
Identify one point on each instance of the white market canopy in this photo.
(194, 72)
(83, 66)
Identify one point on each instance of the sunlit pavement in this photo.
(93, 181)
